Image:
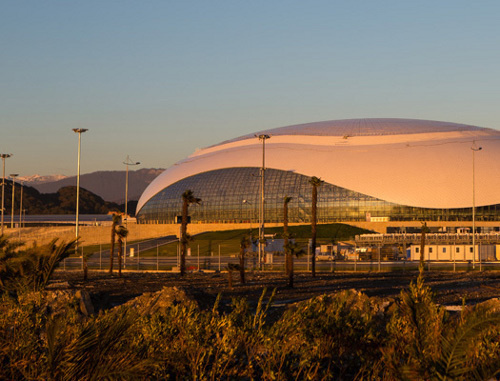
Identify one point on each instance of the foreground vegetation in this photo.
(341, 336)
(347, 335)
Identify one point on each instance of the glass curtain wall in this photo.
(232, 195)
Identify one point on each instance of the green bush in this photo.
(29, 269)
(346, 336)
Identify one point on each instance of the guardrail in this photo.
(430, 238)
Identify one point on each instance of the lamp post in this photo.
(127, 162)
(3, 156)
(79, 131)
(21, 207)
(13, 176)
(263, 138)
(474, 149)
(21, 210)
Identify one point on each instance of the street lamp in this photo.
(263, 138)
(21, 207)
(3, 156)
(474, 149)
(13, 176)
(21, 210)
(127, 162)
(79, 131)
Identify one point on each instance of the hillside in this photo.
(61, 202)
(109, 185)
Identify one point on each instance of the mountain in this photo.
(61, 202)
(110, 185)
(37, 179)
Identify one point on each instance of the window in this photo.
(430, 250)
(457, 250)
(444, 249)
(471, 249)
(417, 250)
(233, 194)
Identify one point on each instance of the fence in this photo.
(145, 256)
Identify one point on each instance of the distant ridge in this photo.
(37, 179)
(110, 185)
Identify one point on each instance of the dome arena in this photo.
(395, 169)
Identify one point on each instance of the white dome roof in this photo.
(408, 162)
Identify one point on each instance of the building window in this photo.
(471, 249)
(444, 249)
(430, 249)
(232, 194)
(417, 250)
(457, 250)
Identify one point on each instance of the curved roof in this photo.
(409, 162)
(365, 127)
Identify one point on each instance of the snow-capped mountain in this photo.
(110, 185)
(38, 179)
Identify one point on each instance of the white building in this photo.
(387, 169)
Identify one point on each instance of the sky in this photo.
(157, 80)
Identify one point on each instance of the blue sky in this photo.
(157, 79)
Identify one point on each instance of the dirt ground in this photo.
(450, 288)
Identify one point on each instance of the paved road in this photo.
(140, 246)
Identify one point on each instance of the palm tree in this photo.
(86, 257)
(244, 244)
(116, 221)
(425, 230)
(30, 269)
(315, 182)
(286, 236)
(187, 199)
(121, 233)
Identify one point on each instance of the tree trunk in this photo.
(184, 236)
(422, 249)
(242, 264)
(120, 248)
(313, 229)
(286, 244)
(285, 237)
(112, 248)
(85, 268)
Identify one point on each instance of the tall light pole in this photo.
(21, 210)
(263, 138)
(13, 176)
(79, 131)
(3, 156)
(127, 162)
(21, 207)
(474, 149)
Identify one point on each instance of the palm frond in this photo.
(455, 362)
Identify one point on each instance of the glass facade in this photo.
(232, 195)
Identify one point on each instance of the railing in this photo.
(430, 238)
